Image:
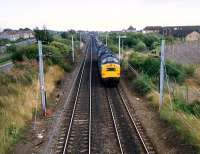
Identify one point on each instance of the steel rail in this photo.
(114, 122)
(134, 123)
(90, 116)
(74, 108)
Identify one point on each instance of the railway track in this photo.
(104, 139)
(125, 123)
(76, 117)
(97, 119)
(78, 134)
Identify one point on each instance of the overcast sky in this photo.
(98, 14)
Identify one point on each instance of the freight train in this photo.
(109, 66)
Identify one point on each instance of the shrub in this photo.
(17, 56)
(11, 49)
(4, 42)
(61, 46)
(175, 71)
(189, 70)
(30, 52)
(131, 41)
(193, 108)
(150, 40)
(113, 48)
(142, 85)
(151, 67)
(140, 46)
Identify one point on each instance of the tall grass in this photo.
(19, 93)
(181, 116)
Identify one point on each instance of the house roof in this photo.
(153, 28)
(180, 31)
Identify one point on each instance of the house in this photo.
(14, 35)
(9, 34)
(152, 29)
(188, 33)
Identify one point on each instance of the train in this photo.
(108, 65)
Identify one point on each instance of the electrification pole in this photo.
(41, 77)
(162, 76)
(119, 42)
(80, 40)
(106, 39)
(72, 48)
(120, 37)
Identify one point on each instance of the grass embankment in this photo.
(182, 115)
(19, 88)
(19, 93)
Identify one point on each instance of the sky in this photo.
(104, 15)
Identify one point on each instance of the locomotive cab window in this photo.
(111, 69)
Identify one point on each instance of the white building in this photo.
(14, 35)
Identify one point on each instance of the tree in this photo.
(150, 40)
(64, 35)
(43, 35)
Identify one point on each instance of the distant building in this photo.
(14, 35)
(152, 29)
(184, 32)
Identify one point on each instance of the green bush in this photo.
(142, 85)
(4, 42)
(140, 46)
(141, 42)
(113, 48)
(151, 41)
(12, 49)
(151, 67)
(61, 46)
(175, 71)
(30, 52)
(189, 70)
(193, 108)
(17, 56)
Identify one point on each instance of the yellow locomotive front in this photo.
(110, 71)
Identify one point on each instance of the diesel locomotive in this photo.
(109, 66)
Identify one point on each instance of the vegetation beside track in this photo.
(177, 111)
(19, 88)
(181, 107)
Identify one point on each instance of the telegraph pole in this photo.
(72, 48)
(162, 63)
(41, 78)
